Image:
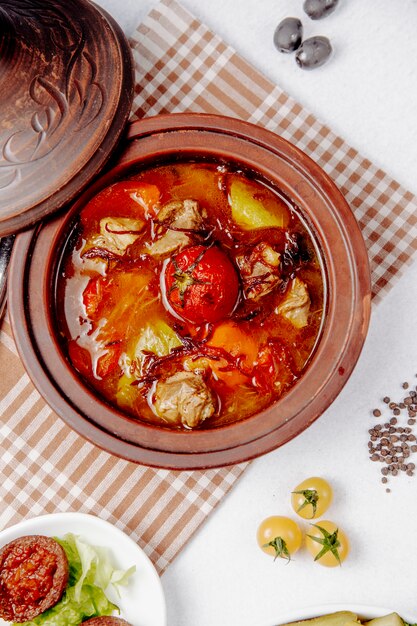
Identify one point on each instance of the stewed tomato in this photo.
(97, 363)
(93, 295)
(201, 284)
(127, 198)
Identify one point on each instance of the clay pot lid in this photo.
(66, 89)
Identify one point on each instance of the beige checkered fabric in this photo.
(47, 468)
(44, 466)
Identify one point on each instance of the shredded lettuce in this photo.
(90, 574)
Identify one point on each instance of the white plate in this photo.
(362, 610)
(142, 602)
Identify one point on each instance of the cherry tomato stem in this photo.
(327, 543)
(279, 536)
(312, 497)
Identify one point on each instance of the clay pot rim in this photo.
(260, 433)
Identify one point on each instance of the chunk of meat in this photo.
(177, 220)
(184, 398)
(182, 214)
(259, 271)
(296, 305)
(116, 234)
(170, 241)
(94, 265)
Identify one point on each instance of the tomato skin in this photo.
(106, 364)
(324, 495)
(80, 358)
(127, 198)
(201, 284)
(109, 361)
(274, 367)
(92, 295)
(328, 559)
(279, 526)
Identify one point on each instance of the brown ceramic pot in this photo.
(345, 262)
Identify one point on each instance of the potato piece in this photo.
(340, 618)
(252, 209)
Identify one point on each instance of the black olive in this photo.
(288, 34)
(313, 52)
(317, 9)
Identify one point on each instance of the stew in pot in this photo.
(190, 295)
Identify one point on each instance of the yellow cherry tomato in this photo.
(327, 543)
(311, 498)
(279, 536)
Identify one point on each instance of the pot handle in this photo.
(6, 245)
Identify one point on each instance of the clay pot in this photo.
(345, 266)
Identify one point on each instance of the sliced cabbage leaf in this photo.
(156, 337)
(296, 305)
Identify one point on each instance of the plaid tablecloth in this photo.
(44, 466)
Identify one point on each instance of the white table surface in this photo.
(367, 94)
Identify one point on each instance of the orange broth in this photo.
(114, 314)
